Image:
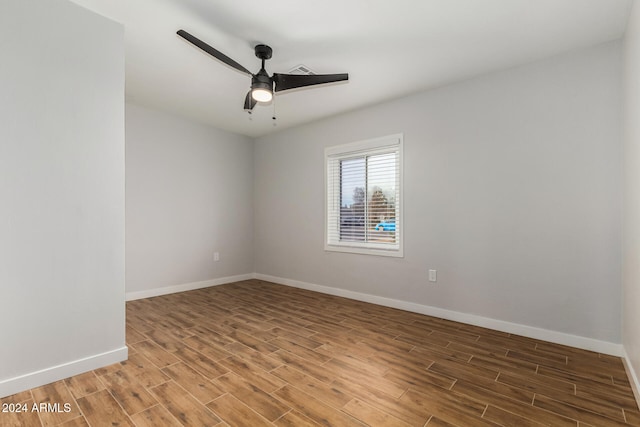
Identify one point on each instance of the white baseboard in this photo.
(485, 322)
(633, 377)
(55, 373)
(130, 296)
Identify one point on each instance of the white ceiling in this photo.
(389, 48)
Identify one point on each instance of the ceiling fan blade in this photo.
(292, 81)
(211, 51)
(249, 102)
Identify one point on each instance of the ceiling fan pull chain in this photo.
(274, 112)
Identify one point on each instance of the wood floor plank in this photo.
(250, 355)
(598, 406)
(84, 384)
(194, 382)
(366, 365)
(384, 345)
(537, 383)
(155, 416)
(400, 409)
(207, 334)
(512, 342)
(459, 370)
(445, 338)
(341, 340)
(632, 417)
(549, 352)
(56, 394)
(168, 339)
(254, 343)
(145, 372)
(614, 400)
(489, 391)
(409, 358)
(116, 366)
(595, 386)
(183, 320)
(448, 406)
(315, 409)
(128, 392)
(212, 350)
(371, 415)
(604, 366)
(133, 336)
(236, 413)
(506, 418)
(417, 377)
(410, 332)
(300, 335)
(156, 354)
(295, 337)
(437, 422)
(479, 348)
(260, 401)
(300, 350)
(100, 408)
(574, 412)
(295, 419)
(200, 363)
(536, 414)
(19, 417)
(253, 373)
(503, 364)
(556, 361)
(340, 369)
(312, 369)
(566, 350)
(76, 422)
(23, 396)
(440, 353)
(329, 328)
(356, 350)
(184, 407)
(322, 391)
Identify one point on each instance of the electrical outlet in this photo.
(433, 275)
(216, 256)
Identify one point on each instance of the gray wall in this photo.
(512, 192)
(189, 194)
(61, 192)
(631, 275)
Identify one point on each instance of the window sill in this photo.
(395, 252)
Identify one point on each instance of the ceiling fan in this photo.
(262, 85)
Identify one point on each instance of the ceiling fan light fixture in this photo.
(261, 94)
(261, 87)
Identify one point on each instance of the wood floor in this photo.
(254, 353)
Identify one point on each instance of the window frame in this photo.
(356, 149)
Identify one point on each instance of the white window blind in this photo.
(364, 197)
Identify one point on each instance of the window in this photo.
(364, 197)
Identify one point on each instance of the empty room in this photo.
(407, 213)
